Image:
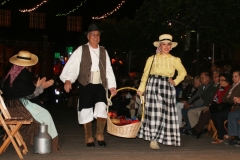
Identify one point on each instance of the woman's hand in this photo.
(48, 83)
(171, 81)
(139, 93)
(40, 81)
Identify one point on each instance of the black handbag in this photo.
(219, 107)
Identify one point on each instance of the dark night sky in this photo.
(88, 9)
(52, 7)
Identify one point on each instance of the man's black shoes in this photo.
(194, 133)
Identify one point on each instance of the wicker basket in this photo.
(125, 131)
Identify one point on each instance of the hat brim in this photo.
(86, 33)
(24, 62)
(157, 43)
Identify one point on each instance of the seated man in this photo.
(193, 90)
(194, 114)
(203, 97)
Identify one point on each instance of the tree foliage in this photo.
(216, 21)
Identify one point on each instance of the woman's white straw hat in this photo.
(24, 58)
(165, 38)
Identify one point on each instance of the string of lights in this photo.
(34, 8)
(109, 13)
(4, 2)
(73, 10)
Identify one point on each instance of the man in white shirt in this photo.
(90, 66)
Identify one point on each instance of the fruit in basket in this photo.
(127, 121)
(122, 117)
(116, 121)
(109, 114)
(112, 114)
(134, 121)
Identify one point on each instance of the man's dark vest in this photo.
(86, 64)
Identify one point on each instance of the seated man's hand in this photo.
(48, 83)
(183, 101)
(206, 109)
(186, 105)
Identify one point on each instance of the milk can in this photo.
(43, 141)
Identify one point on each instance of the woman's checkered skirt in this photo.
(160, 115)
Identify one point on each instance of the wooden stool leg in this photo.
(10, 138)
(21, 143)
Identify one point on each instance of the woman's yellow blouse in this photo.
(163, 65)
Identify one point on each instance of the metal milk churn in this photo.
(43, 141)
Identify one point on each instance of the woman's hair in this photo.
(227, 68)
(227, 76)
(188, 79)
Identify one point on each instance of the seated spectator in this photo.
(185, 88)
(188, 95)
(214, 68)
(219, 98)
(119, 103)
(134, 104)
(20, 96)
(203, 97)
(234, 125)
(227, 69)
(194, 114)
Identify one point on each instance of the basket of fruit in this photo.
(120, 125)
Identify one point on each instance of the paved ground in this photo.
(71, 137)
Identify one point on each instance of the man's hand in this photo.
(236, 99)
(183, 101)
(113, 91)
(67, 86)
(186, 105)
(206, 109)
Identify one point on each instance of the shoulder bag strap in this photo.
(151, 65)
